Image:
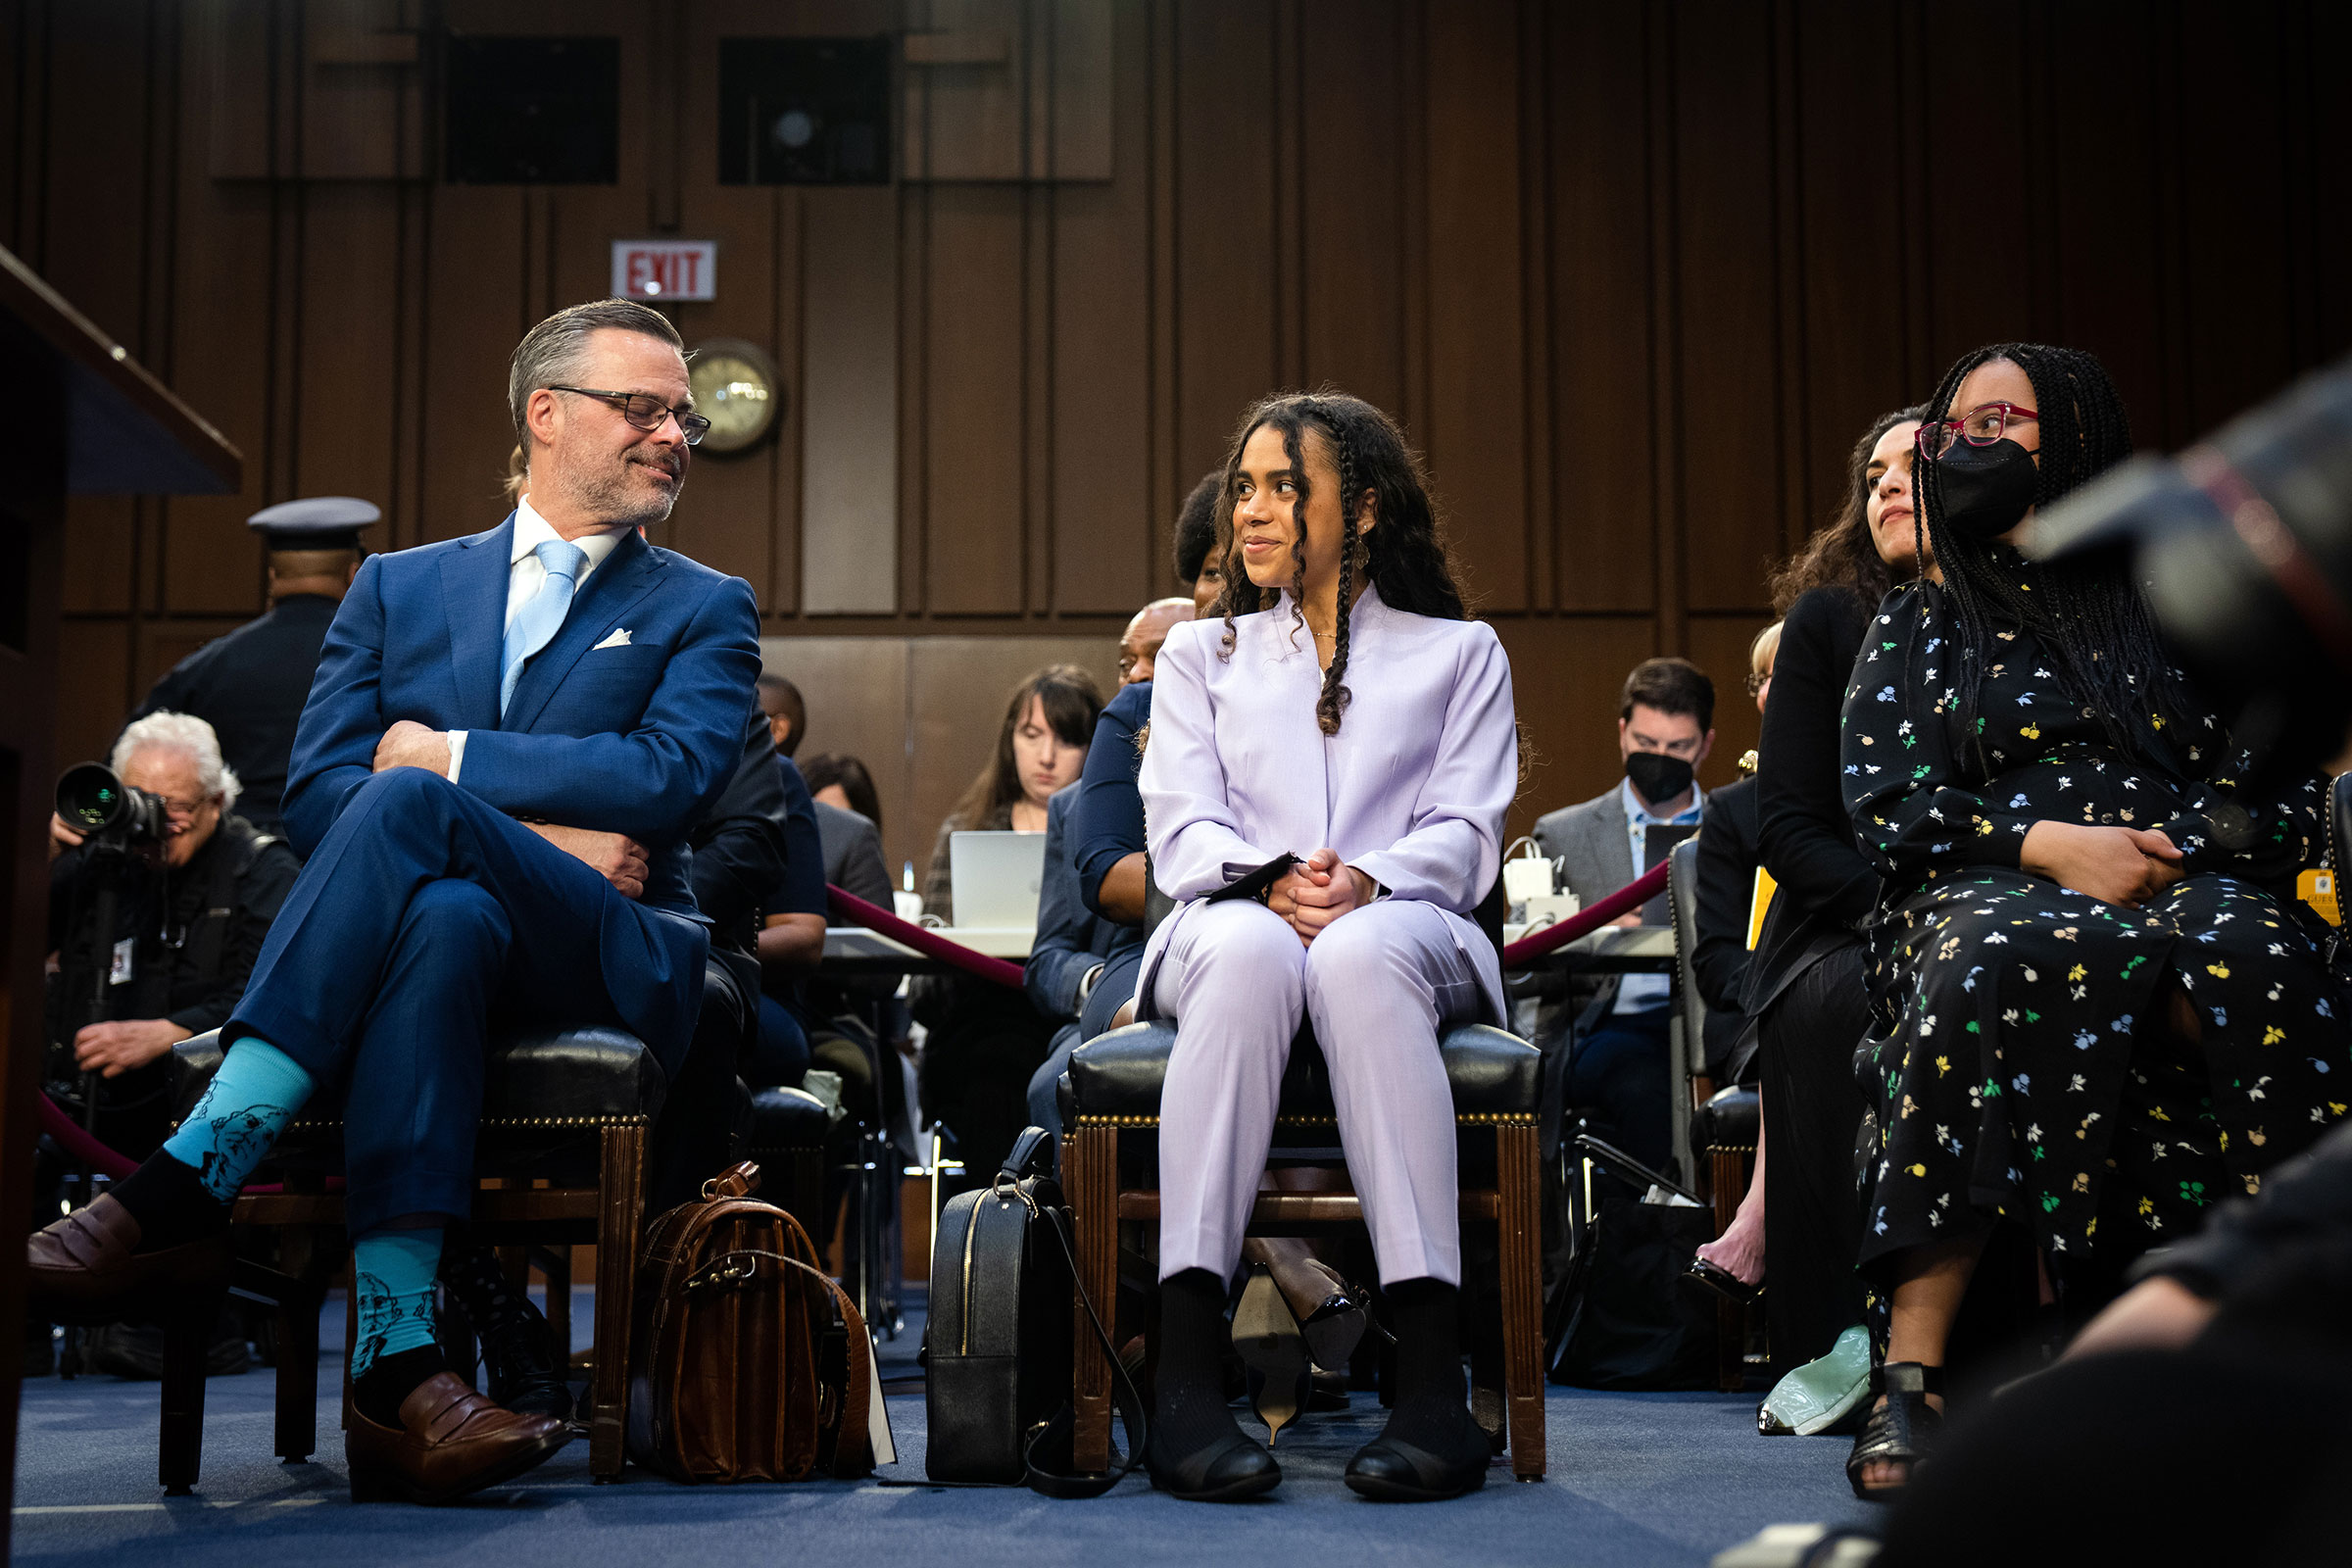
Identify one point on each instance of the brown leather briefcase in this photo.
(749, 1363)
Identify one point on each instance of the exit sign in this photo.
(666, 270)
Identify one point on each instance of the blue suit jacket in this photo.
(638, 738)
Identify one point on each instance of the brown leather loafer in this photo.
(82, 1270)
(451, 1440)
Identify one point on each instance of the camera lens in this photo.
(89, 797)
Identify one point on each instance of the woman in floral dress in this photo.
(2097, 1010)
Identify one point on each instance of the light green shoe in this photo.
(1819, 1394)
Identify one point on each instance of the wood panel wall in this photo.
(1635, 275)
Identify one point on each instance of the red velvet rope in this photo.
(75, 1140)
(850, 907)
(1640, 891)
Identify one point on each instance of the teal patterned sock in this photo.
(392, 1272)
(250, 1101)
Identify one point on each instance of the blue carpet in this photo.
(1636, 1480)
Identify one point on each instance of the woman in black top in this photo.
(2097, 1010)
(1805, 988)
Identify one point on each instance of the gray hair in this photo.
(553, 351)
(189, 735)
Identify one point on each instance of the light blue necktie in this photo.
(536, 623)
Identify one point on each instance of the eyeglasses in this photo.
(183, 811)
(644, 411)
(1980, 426)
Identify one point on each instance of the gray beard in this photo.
(608, 496)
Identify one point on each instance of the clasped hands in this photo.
(616, 856)
(2126, 865)
(1317, 891)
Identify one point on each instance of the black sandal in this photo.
(1899, 1432)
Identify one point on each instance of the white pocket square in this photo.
(619, 639)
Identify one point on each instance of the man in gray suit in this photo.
(1614, 1033)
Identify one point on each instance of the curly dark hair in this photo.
(1197, 525)
(1071, 700)
(1842, 553)
(2088, 613)
(1405, 557)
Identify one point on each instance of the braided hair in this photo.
(2090, 613)
(1405, 557)
(1842, 554)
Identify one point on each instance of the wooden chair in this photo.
(571, 1108)
(1718, 1124)
(1110, 1176)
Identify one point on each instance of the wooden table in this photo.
(853, 949)
(1612, 949)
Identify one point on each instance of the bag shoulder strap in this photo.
(1057, 1439)
(861, 1390)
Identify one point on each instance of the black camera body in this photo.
(107, 812)
(2243, 545)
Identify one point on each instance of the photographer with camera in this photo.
(159, 899)
(196, 888)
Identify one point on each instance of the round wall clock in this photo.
(736, 388)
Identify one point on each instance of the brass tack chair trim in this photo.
(1476, 1118)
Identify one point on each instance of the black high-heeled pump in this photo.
(1899, 1432)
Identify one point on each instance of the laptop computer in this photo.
(995, 878)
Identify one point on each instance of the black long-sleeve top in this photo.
(1107, 821)
(197, 931)
(1826, 887)
(740, 846)
(1727, 885)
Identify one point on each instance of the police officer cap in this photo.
(321, 523)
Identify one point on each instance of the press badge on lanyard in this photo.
(119, 975)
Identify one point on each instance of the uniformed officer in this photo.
(251, 684)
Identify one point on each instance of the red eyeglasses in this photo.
(1980, 426)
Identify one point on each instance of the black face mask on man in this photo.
(1657, 776)
(1983, 492)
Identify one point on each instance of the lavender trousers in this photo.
(1377, 984)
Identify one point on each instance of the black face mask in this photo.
(1657, 776)
(1984, 491)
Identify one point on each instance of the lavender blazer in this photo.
(1411, 791)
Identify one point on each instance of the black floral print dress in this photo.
(2014, 1072)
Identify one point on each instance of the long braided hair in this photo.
(1405, 557)
(2090, 613)
(1841, 554)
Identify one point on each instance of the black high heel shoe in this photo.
(1899, 1432)
(1723, 1282)
(1334, 1327)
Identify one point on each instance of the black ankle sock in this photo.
(1431, 1410)
(1188, 1407)
(170, 1201)
(378, 1391)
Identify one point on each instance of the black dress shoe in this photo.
(521, 1362)
(1226, 1471)
(1389, 1470)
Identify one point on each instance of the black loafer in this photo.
(1229, 1470)
(1389, 1470)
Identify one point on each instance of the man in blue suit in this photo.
(507, 740)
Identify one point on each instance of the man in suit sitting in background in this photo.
(1617, 1043)
(509, 737)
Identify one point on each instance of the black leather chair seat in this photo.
(541, 1091)
(1728, 1121)
(1120, 1073)
(787, 1118)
